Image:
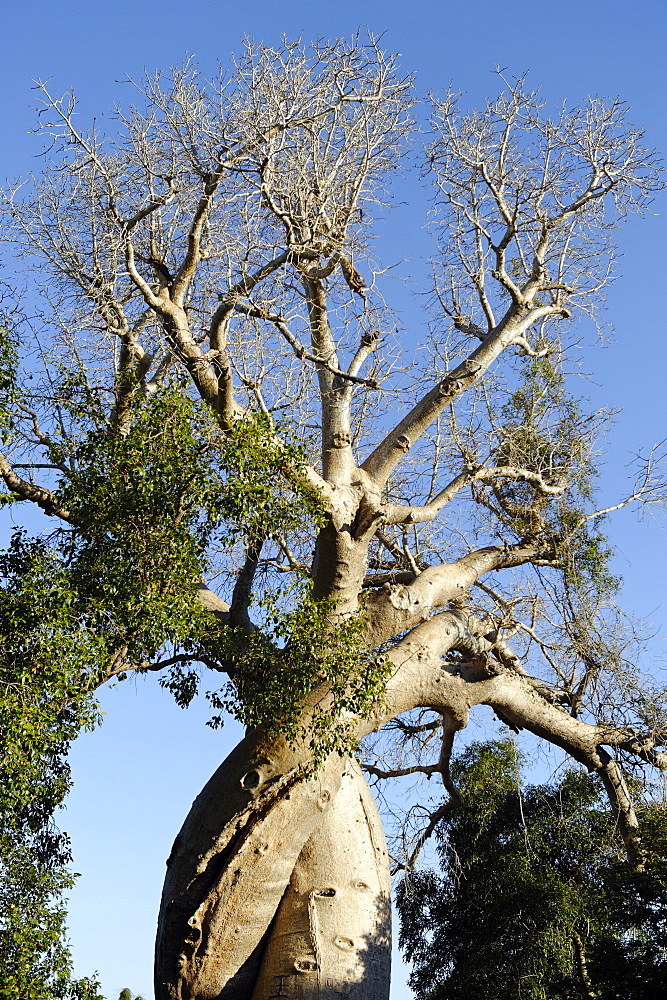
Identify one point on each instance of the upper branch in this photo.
(299, 349)
(384, 459)
(403, 514)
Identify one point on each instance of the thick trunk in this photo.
(230, 866)
(331, 936)
(277, 886)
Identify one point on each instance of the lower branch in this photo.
(395, 608)
(423, 678)
(622, 806)
(39, 495)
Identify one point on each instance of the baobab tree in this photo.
(246, 478)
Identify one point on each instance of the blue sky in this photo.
(137, 776)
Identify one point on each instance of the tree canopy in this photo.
(255, 491)
(537, 898)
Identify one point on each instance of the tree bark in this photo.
(230, 865)
(332, 934)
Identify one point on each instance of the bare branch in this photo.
(412, 515)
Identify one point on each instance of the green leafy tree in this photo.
(537, 898)
(246, 498)
(42, 707)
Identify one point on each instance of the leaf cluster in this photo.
(531, 880)
(543, 430)
(42, 708)
(35, 962)
(296, 653)
(146, 504)
(44, 690)
(9, 361)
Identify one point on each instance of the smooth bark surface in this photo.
(332, 933)
(230, 865)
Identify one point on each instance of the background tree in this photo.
(37, 722)
(210, 393)
(537, 898)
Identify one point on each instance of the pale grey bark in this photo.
(231, 863)
(331, 936)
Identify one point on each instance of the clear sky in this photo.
(137, 776)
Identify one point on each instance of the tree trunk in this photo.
(332, 933)
(240, 848)
(230, 865)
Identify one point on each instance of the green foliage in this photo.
(256, 459)
(109, 593)
(9, 360)
(295, 653)
(145, 505)
(545, 430)
(524, 874)
(149, 502)
(118, 588)
(174, 459)
(35, 963)
(43, 705)
(586, 554)
(44, 691)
